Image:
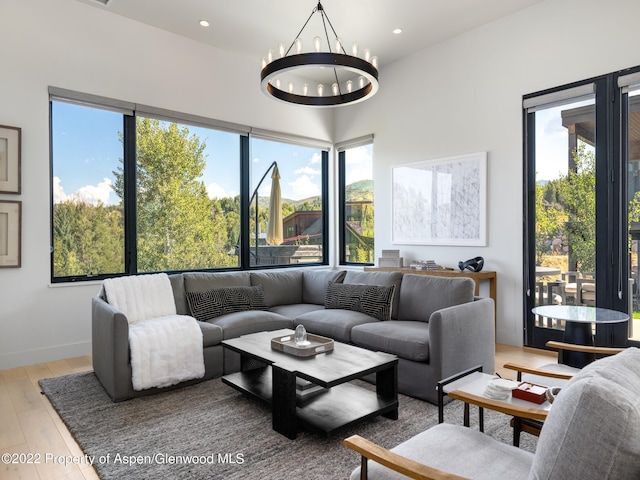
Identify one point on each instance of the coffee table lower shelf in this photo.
(337, 407)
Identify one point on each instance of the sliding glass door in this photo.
(582, 206)
(631, 110)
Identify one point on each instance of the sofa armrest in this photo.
(462, 336)
(110, 348)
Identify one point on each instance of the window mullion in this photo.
(130, 195)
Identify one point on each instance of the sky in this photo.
(87, 149)
(552, 141)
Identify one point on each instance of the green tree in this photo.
(178, 226)
(550, 221)
(88, 239)
(577, 192)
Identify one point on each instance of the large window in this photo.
(138, 190)
(287, 220)
(355, 165)
(88, 216)
(581, 206)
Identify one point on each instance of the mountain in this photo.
(360, 191)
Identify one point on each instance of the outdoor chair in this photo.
(570, 278)
(592, 431)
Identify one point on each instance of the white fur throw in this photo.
(141, 297)
(165, 351)
(165, 348)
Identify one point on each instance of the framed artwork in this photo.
(10, 233)
(10, 138)
(440, 202)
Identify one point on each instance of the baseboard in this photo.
(42, 355)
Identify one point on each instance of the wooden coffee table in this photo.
(274, 379)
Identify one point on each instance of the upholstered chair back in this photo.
(593, 428)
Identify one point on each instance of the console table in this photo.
(477, 277)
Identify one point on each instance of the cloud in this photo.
(307, 171)
(216, 191)
(304, 187)
(316, 159)
(359, 165)
(90, 194)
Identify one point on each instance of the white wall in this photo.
(67, 44)
(461, 96)
(465, 96)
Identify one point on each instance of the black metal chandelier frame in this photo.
(334, 60)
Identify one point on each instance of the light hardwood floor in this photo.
(30, 426)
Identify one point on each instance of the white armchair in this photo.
(592, 431)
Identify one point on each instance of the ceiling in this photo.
(251, 27)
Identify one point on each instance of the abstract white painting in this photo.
(440, 202)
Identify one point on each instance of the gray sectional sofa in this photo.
(434, 325)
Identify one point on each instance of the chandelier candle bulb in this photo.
(374, 61)
(338, 45)
(349, 86)
(299, 45)
(305, 89)
(354, 49)
(335, 89)
(290, 87)
(281, 49)
(361, 82)
(270, 56)
(317, 43)
(367, 54)
(320, 89)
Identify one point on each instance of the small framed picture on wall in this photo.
(10, 151)
(10, 233)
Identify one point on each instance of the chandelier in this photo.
(324, 77)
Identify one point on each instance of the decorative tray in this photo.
(316, 344)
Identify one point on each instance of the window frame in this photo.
(611, 210)
(341, 149)
(130, 111)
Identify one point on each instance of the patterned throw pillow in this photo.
(373, 300)
(212, 303)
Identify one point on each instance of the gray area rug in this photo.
(229, 434)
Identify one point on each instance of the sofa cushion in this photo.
(378, 278)
(421, 295)
(201, 281)
(296, 309)
(314, 284)
(219, 301)
(374, 300)
(177, 284)
(280, 288)
(336, 324)
(408, 340)
(251, 321)
(211, 334)
(593, 429)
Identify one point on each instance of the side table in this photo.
(578, 329)
(469, 386)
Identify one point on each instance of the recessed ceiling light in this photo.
(204, 23)
(397, 31)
